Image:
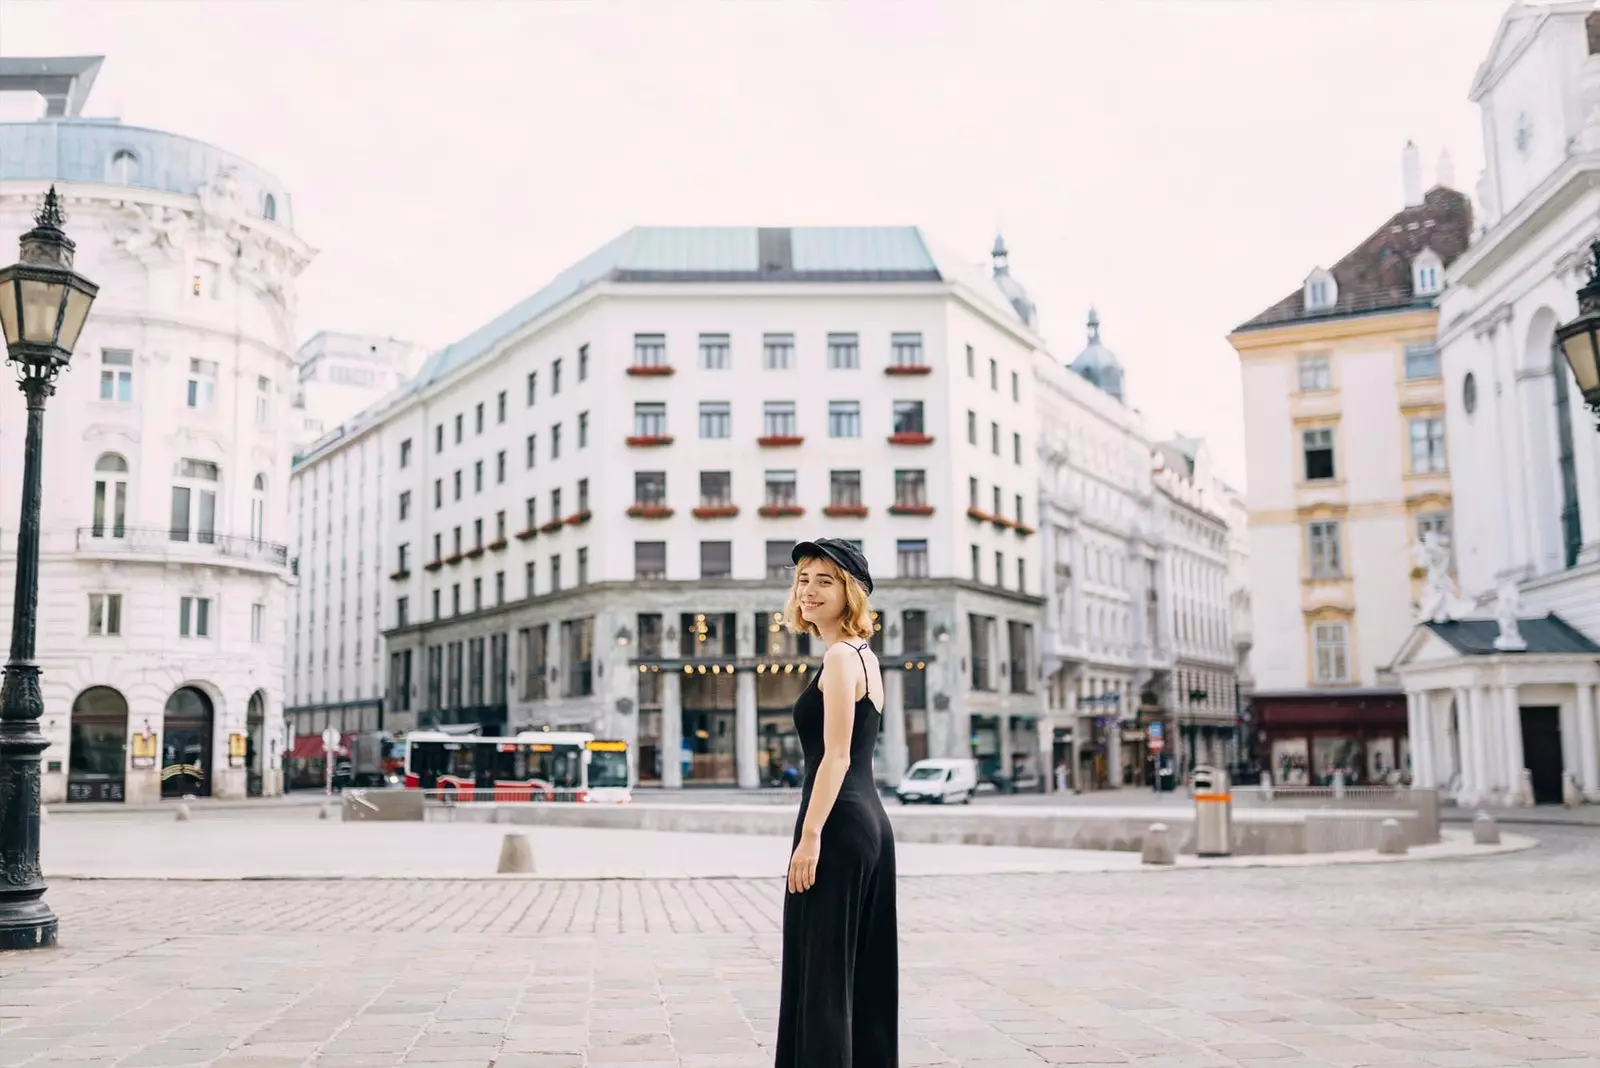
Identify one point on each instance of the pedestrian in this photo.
(839, 1002)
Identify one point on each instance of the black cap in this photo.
(850, 559)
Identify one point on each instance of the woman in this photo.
(839, 1005)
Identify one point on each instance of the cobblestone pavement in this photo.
(1488, 962)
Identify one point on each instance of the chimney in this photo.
(1411, 174)
(1447, 170)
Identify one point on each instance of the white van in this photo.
(940, 782)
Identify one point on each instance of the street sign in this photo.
(1157, 743)
(1155, 729)
(330, 739)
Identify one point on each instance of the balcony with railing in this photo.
(165, 545)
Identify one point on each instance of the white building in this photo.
(341, 375)
(1502, 708)
(163, 573)
(585, 508)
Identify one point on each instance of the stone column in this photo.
(671, 730)
(1002, 729)
(1075, 753)
(1588, 757)
(1471, 771)
(1046, 741)
(1512, 720)
(744, 729)
(1414, 730)
(894, 725)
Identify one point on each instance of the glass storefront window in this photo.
(1337, 753)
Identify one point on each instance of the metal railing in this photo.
(166, 542)
(1424, 802)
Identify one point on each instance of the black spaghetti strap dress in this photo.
(839, 1006)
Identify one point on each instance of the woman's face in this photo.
(819, 588)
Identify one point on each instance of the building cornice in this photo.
(1267, 342)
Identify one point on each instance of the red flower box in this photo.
(1022, 529)
(911, 509)
(474, 552)
(779, 441)
(497, 545)
(649, 511)
(651, 371)
(776, 511)
(840, 511)
(550, 526)
(716, 511)
(908, 369)
(646, 441)
(524, 535)
(910, 439)
(979, 514)
(453, 559)
(1000, 522)
(578, 518)
(401, 575)
(433, 565)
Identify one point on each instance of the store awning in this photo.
(309, 747)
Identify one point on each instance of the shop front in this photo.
(1309, 738)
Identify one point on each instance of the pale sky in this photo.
(1180, 164)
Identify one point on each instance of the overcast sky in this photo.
(1179, 164)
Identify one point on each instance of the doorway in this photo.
(255, 742)
(1541, 752)
(98, 746)
(186, 744)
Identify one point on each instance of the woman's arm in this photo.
(841, 668)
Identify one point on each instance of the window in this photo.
(405, 453)
(972, 492)
(438, 493)
(650, 489)
(716, 489)
(1469, 393)
(263, 401)
(202, 385)
(577, 649)
(649, 559)
(500, 525)
(194, 617)
(1016, 449)
(905, 350)
(460, 424)
(972, 363)
(477, 594)
(583, 495)
(455, 599)
(972, 427)
(910, 489)
(912, 557)
(500, 407)
(499, 587)
(555, 441)
(649, 350)
(533, 387)
(555, 504)
(1022, 574)
(844, 419)
(778, 559)
(116, 375)
(1016, 387)
(1427, 445)
(716, 559)
(110, 496)
(777, 420)
(1316, 373)
(977, 564)
(1321, 291)
(980, 631)
(258, 508)
(908, 417)
(555, 376)
(994, 375)
(780, 489)
(105, 614)
(194, 502)
(650, 420)
(438, 438)
(527, 578)
(477, 533)
(532, 448)
(1425, 271)
(402, 611)
(456, 541)
(844, 489)
(777, 352)
(583, 430)
(999, 568)
(583, 566)
(583, 363)
(1332, 644)
(535, 654)
(269, 208)
(555, 572)
(438, 546)
(1018, 500)
(1422, 361)
(125, 168)
(404, 555)
(844, 352)
(457, 478)
(716, 420)
(437, 611)
(1317, 446)
(1322, 549)
(477, 476)
(500, 466)
(716, 353)
(258, 622)
(994, 438)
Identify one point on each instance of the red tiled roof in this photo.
(1376, 275)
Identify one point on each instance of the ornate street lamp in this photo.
(43, 306)
(1580, 339)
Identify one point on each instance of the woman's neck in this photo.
(830, 632)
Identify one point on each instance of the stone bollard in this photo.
(1266, 785)
(1571, 796)
(182, 812)
(1484, 831)
(1391, 839)
(1158, 846)
(1524, 797)
(516, 855)
(322, 812)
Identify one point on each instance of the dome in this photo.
(1098, 364)
(1014, 292)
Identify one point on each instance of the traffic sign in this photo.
(1155, 728)
(330, 739)
(1157, 744)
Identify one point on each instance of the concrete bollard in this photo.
(1484, 831)
(1158, 846)
(516, 855)
(322, 812)
(1391, 839)
(182, 812)
(1524, 797)
(1571, 796)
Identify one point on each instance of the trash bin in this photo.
(1213, 813)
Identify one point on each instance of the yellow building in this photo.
(1347, 472)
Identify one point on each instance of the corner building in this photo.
(588, 504)
(163, 568)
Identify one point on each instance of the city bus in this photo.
(532, 766)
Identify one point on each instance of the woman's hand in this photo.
(803, 864)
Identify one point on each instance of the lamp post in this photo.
(43, 306)
(1580, 339)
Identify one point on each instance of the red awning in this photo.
(309, 747)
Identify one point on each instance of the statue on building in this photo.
(1507, 601)
(1439, 602)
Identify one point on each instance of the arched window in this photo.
(258, 509)
(1321, 291)
(269, 208)
(194, 502)
(110, 496)
(124, 169)
(1427, 273)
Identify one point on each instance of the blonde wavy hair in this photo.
(856, 622)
